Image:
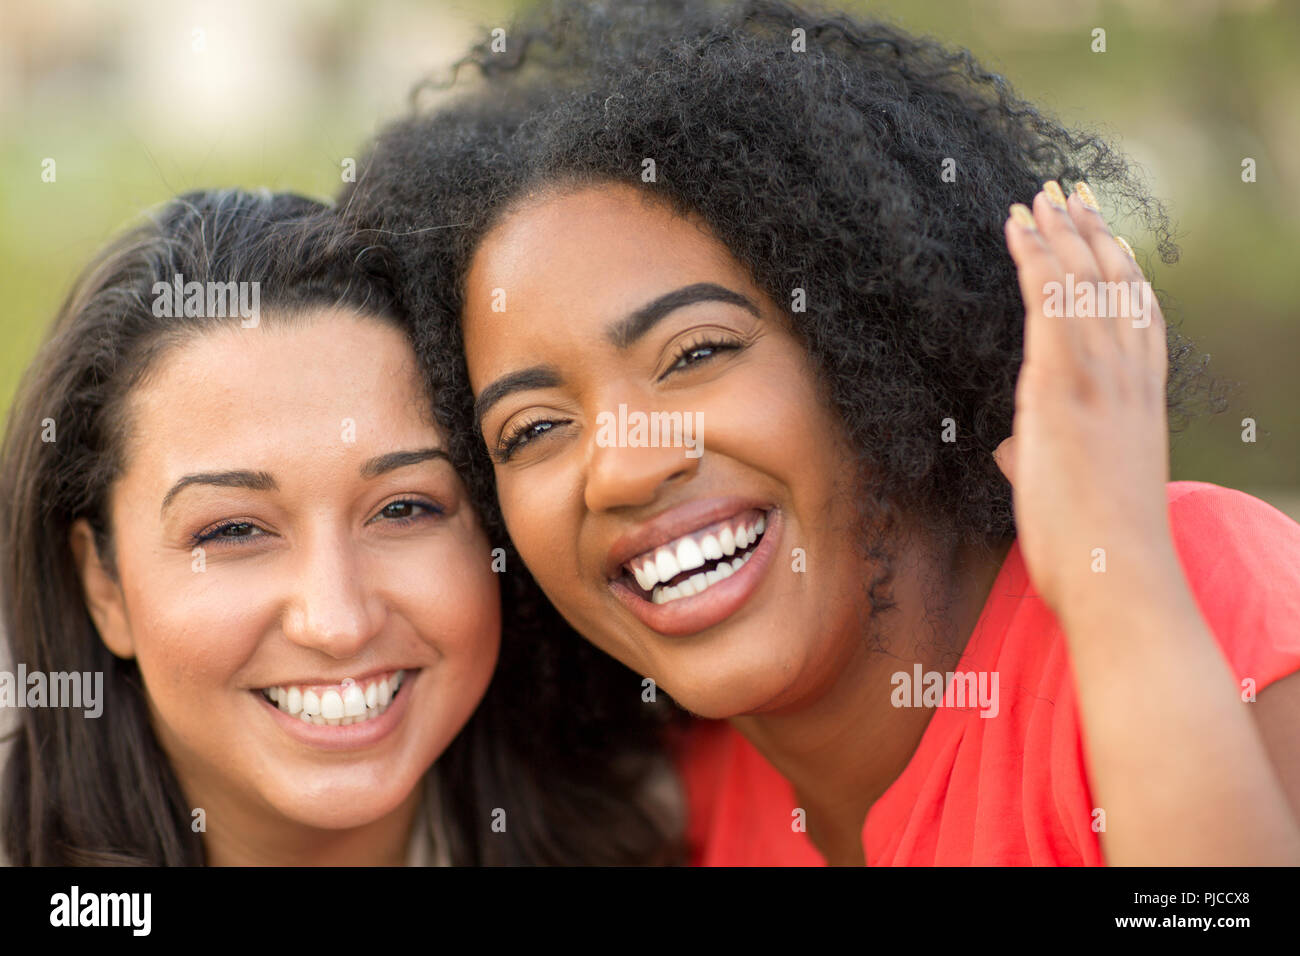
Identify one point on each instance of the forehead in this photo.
(284, 387)
(563, 262)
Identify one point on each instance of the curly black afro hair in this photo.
(820, 169)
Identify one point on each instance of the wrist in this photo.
(1131, 582)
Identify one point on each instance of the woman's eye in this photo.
(228, 531)
(406, 510)
(700, 352)
(517, 438)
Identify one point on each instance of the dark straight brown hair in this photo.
(569, 751)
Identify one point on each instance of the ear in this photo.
(104, 598)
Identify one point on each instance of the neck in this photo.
(843, 744)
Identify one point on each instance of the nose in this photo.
(332, 608)
(628, 467)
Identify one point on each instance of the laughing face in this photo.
(298, 574)
(604, 333)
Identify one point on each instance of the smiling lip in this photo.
(672, 524)
(350, 737)
(689, 615)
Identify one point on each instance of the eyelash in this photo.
(215, 533)
(714, 345)
(512, 441)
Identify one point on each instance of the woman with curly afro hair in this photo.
(807, 390)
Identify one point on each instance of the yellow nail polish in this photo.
(1021, 214)
(1123, 244)
(1055, 195)
(1086, 194)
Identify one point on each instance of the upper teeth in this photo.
(340, 704)
(692, 551)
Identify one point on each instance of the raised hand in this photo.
(1088, 456)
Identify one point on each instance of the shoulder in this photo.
(1241, 557)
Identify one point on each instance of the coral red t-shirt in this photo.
(1013, 789)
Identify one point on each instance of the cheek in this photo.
(451, 596)
(192, 630)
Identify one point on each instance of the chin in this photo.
(723, 696)
(337, 807)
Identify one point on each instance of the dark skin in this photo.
(1188, 775)
(814, 700)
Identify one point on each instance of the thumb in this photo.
(1005, 457)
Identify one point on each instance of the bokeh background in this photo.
(138, 100)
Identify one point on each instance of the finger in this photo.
(1082, 271)
(1048, 340)
(1059, 229)
(1138, 324)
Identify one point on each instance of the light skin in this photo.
(360, 554)
(789, 666)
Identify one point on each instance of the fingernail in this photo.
(1123, 244)
(1086, 194)
(1055, 195)
(1021, 214)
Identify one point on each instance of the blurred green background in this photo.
(138, 100)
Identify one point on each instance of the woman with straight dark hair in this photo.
(229, 522)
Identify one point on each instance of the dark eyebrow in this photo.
(626, 331)
(622, 334)
(262, 481)
(538, 376)
(400, 459)
(252, 480)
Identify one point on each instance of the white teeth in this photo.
(710, 548)
(331, 705)
(666, 564)
(689, 553)
(698, 583)
(349, 704)
(642, 579)
(354, 701)
(651, 572)
(689, 556)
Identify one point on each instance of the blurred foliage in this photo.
(1186, 87)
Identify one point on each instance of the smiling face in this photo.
(288, 529)
(615, 309)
